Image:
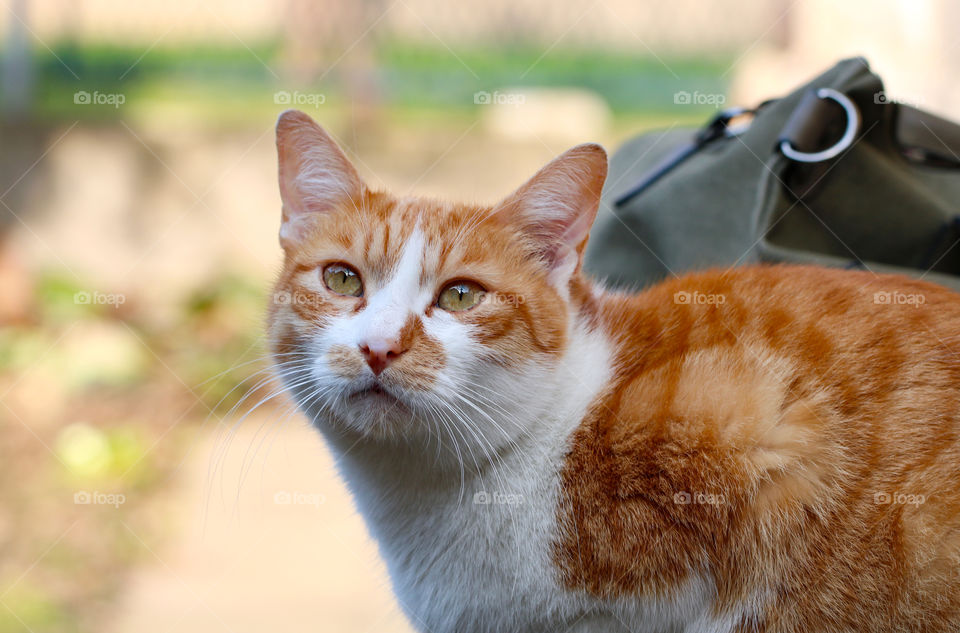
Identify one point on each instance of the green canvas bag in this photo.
(833, 174)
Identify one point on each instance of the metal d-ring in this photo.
(853, 124)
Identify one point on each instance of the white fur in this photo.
(458, 564)
(388, 308)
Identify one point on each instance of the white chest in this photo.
(476, 562)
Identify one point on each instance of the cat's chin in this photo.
(376, 412)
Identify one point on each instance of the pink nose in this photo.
(380, 353)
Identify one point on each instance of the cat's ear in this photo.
(555, 209)
(315, 175)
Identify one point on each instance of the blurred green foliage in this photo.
(121, 390)
(416, 74)
(225, 323)
(406, 75)
(93, 455)
(37, 610)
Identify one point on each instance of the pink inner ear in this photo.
(575, 236)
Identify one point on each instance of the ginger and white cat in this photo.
(770, 449)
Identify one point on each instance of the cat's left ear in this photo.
(315, 174)
(555, 209)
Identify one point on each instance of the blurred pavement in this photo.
(262, 561)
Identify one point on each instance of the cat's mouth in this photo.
(376, 392)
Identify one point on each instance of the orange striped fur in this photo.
(817, 423)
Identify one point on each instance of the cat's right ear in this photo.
(315, 175)
(555, 209)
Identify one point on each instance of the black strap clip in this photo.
(717, 127)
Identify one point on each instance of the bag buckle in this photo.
(800, 121)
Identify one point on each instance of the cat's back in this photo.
(785, 434)
(801, 309)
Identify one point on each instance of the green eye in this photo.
(460, 295)
(343, 280)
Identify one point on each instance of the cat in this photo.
(766, 448)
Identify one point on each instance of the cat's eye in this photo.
(460, 295)
(343, 280)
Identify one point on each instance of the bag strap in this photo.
(718, 127)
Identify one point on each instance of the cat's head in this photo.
(405, 317)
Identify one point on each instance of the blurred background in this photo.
(153, 478)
